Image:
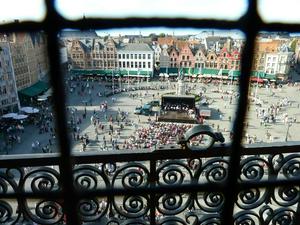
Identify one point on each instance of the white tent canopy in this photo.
(20, 117)
(9, 115)
(42, 98)
(29, 110)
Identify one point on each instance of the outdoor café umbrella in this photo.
(20, 117)
(29, 110)
(9, 115)
(42, 98)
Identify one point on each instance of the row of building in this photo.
(23, 63)
(138, 55)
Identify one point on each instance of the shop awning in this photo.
(35, 90)
(270, 76)
(168, 70)
(210, 71)
(256, 79)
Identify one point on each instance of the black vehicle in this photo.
(154, 103)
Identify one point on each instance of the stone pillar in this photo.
(180, 90)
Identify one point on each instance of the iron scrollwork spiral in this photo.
(92, 209)
(130, 176)
(215, 171)
(89, 177)
(174, 172)
(43, 179)
(210, 202)
(272, 216)
(6, 213)
(253, 168)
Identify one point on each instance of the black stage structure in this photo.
(175, 108)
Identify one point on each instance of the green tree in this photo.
(293, 45)
(153, 36)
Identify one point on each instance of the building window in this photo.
(149, 56)
(140, 57)
(144, 56)
(127, 56)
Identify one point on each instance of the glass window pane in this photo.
(279, 11)
(145, 102)
(22, 10)
(273, 111)
(26, 114)
(217, 9)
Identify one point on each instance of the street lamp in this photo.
(113, 82)
(120, 79)
(287, 131)
(128, 79)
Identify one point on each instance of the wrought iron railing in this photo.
(184, 186)
(223, 185)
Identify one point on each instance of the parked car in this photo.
(154, 103)
(138, 110)
(146, 110)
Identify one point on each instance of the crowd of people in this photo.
(156, 134)
(109, 126)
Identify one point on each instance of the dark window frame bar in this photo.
(250, 24)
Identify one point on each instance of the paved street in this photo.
(284, 126)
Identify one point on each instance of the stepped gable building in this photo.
(29, 57)
(78, 54)
(211, 60)
(94, 54)
(68, 36)
(9, 101)
(186, 57)
(174, 57)
(229, 60)
(200, 56)
(235, 60)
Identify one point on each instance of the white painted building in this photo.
(278, 62)
(136, 58)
